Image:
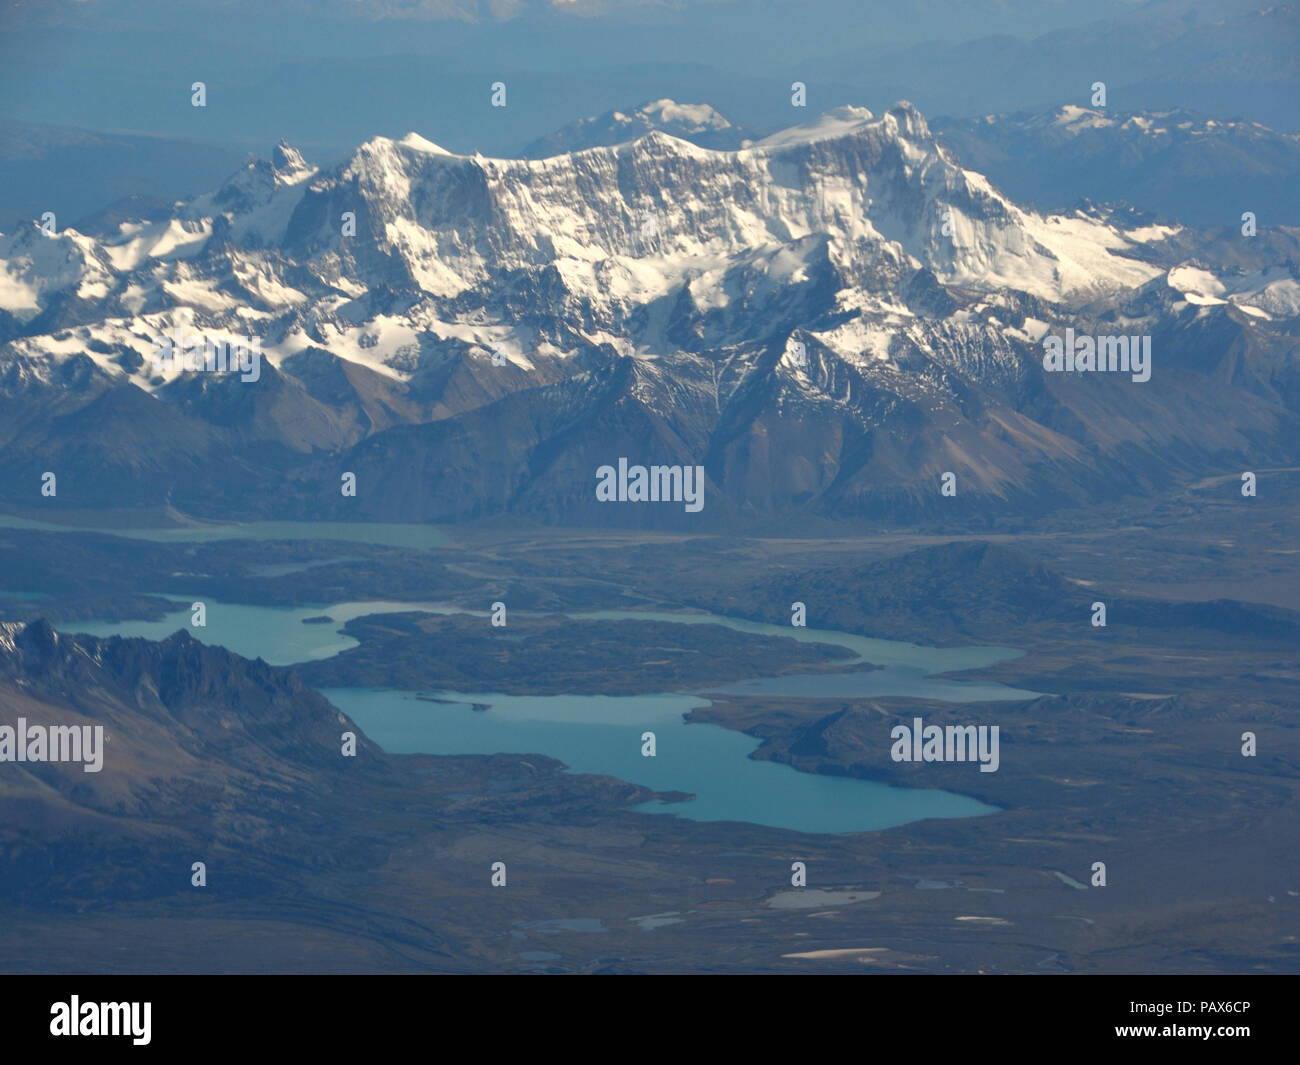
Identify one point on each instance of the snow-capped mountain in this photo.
(825, 319)
(699, 124)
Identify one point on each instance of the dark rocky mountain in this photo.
(207, 757)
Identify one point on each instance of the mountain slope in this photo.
(205, 757)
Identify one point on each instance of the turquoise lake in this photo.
(602, 734)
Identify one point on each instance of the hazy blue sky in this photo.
(365, 67)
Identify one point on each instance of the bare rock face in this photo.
(204, 755)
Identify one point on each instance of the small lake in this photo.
(381, 534)
(277, 635)
(602, 734)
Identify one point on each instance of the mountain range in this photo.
(333, 74)
(827, 319)
(1177, 164)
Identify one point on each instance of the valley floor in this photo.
(1134, 759)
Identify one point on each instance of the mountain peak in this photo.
(693, 117)
(31, 642)
(289, 165)
(1075, 118)
(700, 124)
(421, 144)
(910, 121)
